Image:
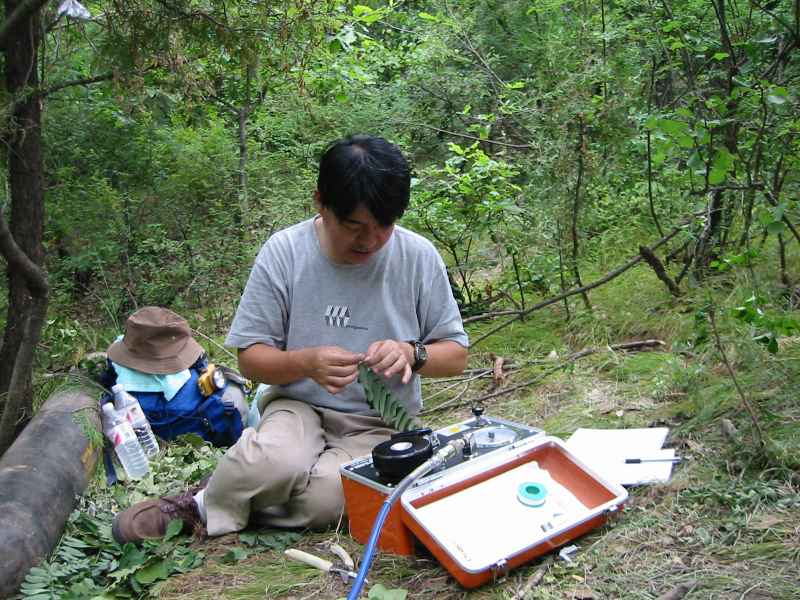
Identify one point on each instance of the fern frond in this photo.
(380, 398)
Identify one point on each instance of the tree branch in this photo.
(23, 12)
(86, 81)
(590, 286)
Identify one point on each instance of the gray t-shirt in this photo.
(296, 298)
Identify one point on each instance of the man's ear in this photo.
(318, 202)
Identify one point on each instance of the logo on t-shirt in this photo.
(337, 316)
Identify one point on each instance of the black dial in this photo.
(420, 355)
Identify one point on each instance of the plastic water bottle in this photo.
(126, 444)
(129, 406)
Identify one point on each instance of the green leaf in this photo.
(777, 211)
(173, 528)
(716, 176)
(341, 97)
(739, 312)
(721, 55)
(767, 39)
(695, 162)
(779, 95)
(380, 592)
(152, 572)
(772, 346)
(672, 127)
(686, 141)
(776, 227)
(429, 17)
(234, 555)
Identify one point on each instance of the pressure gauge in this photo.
(490, 437)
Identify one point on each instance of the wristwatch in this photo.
(420, 354)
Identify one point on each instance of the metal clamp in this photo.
(499, 570)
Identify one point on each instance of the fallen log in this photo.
(42, 475)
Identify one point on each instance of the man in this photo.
(345, 287)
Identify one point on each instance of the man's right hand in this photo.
(333, 368)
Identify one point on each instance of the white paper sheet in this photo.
(606, 450)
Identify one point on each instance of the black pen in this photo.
(636, 461)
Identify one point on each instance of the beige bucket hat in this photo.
(157, 341)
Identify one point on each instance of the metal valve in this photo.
(479, 420)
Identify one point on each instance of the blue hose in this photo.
(369, 552)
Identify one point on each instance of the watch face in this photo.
(422, 354)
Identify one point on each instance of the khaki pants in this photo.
(285, 473)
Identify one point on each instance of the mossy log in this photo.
(42, 475)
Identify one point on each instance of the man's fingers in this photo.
(344, 358)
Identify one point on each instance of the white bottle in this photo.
(126, 444)
(129, 406)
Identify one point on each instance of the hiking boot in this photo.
(148, 520)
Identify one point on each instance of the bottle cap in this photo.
(117, 387)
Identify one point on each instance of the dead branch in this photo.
(568, 360)
(658, 268)
(585, 288)
(498, 379)
(535, 578)
(679, 591)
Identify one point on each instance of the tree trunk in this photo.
(22, 142)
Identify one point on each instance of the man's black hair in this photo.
(362, 169)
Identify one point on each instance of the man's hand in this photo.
(390, 357)
(333, 368)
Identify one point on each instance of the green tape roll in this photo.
(532, 494)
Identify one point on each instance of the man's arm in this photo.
(331, 367)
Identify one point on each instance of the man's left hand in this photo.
(390, 357)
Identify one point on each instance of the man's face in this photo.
(353, 241)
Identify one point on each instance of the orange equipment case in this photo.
(479, 519)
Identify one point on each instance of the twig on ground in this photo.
(679, 591)
(603, 280)
(535, 579)
(450, 402)
(569, 359)
(498, 379)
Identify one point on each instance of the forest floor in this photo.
(721, 527)
(725, 526)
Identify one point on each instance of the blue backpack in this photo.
(218, 418)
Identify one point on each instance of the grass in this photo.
(728, 520)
